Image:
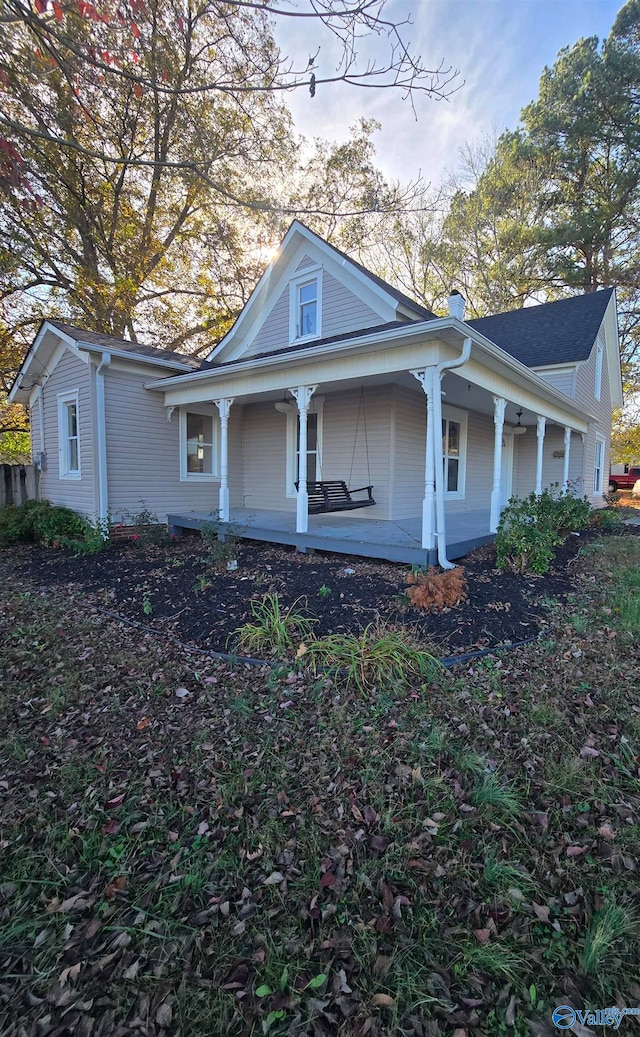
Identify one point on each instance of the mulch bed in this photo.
(175, 589)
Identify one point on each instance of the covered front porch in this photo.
(394, 541)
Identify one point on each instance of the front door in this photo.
(506, 474)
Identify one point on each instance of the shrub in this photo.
(149, 531)
(219, 551)
(94, 537)
(376, 658)
(437, 590)
(530, 529)
(56, 524)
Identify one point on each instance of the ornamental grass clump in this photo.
(274, 627)
(530, 529)
(379, 657)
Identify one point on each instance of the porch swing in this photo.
(333, 495)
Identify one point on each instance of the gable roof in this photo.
(137, 350)
(404, 300)
(550, 333)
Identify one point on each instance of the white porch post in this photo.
(302, 395)
(224, 406)
(425, 377)
(499, 404)
(542, 424)
(567, 454)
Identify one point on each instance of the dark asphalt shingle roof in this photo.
(551, 333)
(95, 338)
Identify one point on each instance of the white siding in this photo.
(69, 375)
(264, 440)
(265, 444)
(601, 409)
(562, 380)
(342, 312)
(340, 420)
(143, 451)
(526, 449)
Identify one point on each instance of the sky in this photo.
(500, 48)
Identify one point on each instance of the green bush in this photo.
(19, 522)
(56, 524)
(530, 529)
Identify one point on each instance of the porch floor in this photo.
(395, 541)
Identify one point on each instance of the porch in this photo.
(394, 541)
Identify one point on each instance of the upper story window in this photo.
(69, 436)
(305, 305)
(597, 389)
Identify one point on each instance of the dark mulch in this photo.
(176, 589)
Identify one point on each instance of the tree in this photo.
(118, 45)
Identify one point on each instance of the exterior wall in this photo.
(601, 409)
(143, 450)
(265, 447)
(264, 444)
(69, 375)
(342, 311)
(564, 380)
(525, 454)
(340, 421)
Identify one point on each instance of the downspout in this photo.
(441, 533)
(101, 438)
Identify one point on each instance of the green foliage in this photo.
(531, 528)
(379, 657)
(273, 629)
(56, 524)
(149, 531)
(324, 592)
(610, 925)
(221, 545)
(94, 538)
(38, 521)
(15, 447)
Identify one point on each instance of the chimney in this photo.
(456, 305)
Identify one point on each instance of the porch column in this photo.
(302, 395)
(224, 406)
(499, 404)
(542, 424)
(567, 454)
(425, 377)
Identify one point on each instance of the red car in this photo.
(623, 477)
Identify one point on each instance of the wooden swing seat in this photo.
(333, 495)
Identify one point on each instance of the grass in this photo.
(275, 629)
(190, 854)
(377, 658)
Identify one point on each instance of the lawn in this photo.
(195, 850)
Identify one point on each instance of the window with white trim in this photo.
(305, 306)
(69, 436)
(598, 466)
(454, 451)
(198, 444)
(314, 446)
(597, 388)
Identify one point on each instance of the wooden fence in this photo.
(18, 483)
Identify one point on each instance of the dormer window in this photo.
(305, 306)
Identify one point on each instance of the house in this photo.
(329, 373)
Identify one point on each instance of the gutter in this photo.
(101, 439)
(411, 329)
(444, 365)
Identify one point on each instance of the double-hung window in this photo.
(598, 466)
(305, 306)
(69, 436)
(198, 444)
(454, 451)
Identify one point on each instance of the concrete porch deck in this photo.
(343, 533)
